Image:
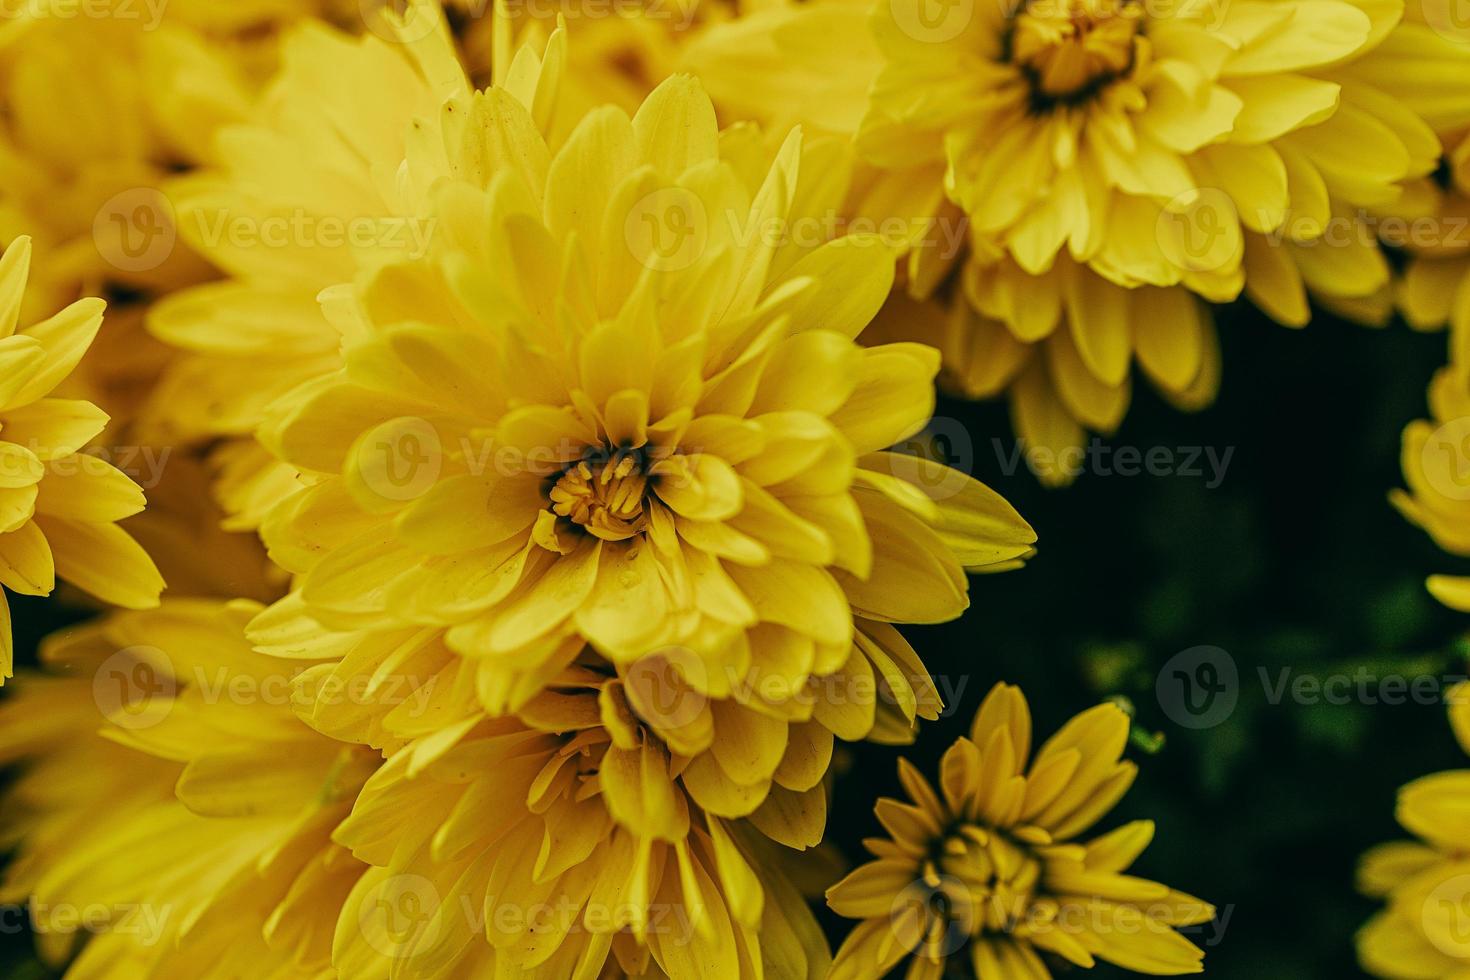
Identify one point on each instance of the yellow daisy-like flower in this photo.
(1437, 470)
(59, 508)
(1421, 934)
(219, 804)
(991, 864)
(1098, 167)
(569, 828)
(1088, 124)
(328, 178)
(553, 433)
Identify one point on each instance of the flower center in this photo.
(605, 496)
(993, 879)
(1070, 47)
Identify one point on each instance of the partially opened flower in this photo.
(991, 867)
(1420, 935)
(213, 856)
(58, 508)
(569, 833)
(612, 409)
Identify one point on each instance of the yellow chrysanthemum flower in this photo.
(329, 177)
(549, 434)
(570, 828)
(991, 865)
(1437, 471)
(215, 856)
(1426, 883)
(146, 85)
(1095, 166)
(59, 508)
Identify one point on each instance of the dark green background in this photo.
(1296, 560)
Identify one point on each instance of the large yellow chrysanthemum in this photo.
(215, 856)
(329, 177)
(992, 868)
(552, 434)
(1426, 883)
(569, 828)
(59, 508)
(1096, 166)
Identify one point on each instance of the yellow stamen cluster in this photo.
(604, 497)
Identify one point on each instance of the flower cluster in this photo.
(534, 406)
